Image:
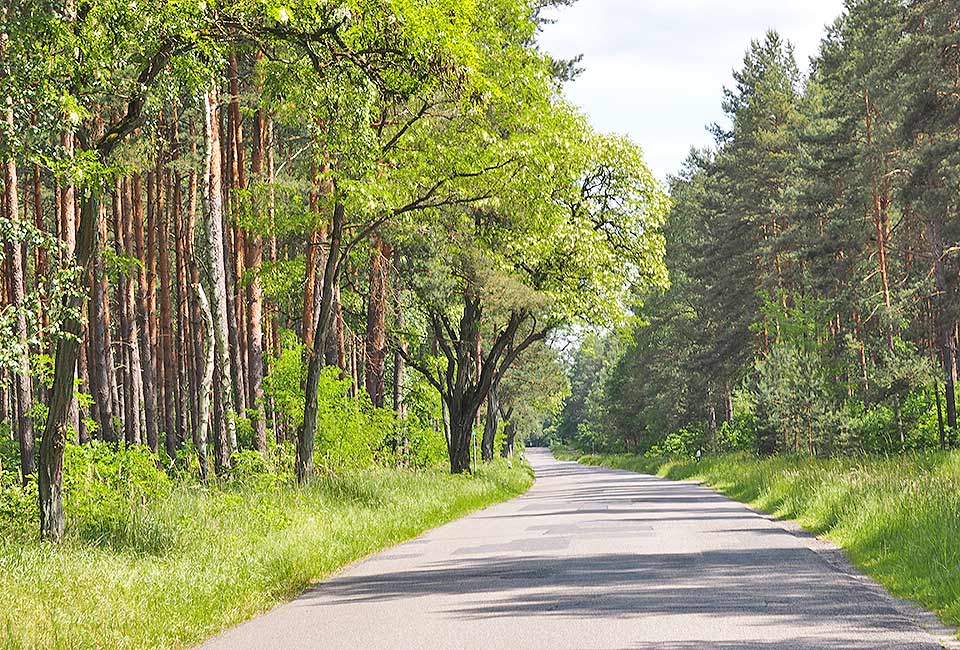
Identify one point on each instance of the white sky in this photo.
(655, 69)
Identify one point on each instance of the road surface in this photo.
(595, 559)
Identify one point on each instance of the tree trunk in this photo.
(465, 393)
(197, 359)
(309, 287)
(201, 432)
(354, 365)
(305, 440)
(727, 405)
(167, 349)
(83, 386)
(154, 205)
(940, 428)
(234, 347)
(376, 340)
(491, 424)
(143, 338)
(40, 259)
(461, 436)
(335, 350)
(237, 252)
(194, 356)
(53, 443)
(22, 387)
(254, 261)
(216, 262)
(510, 434)
(400, 350)
(101, 350)
(68, 234)
(221, 446)
(944, 327)
(184, 336)
(127, 327)
(469, 377)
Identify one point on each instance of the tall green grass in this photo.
(186, 566)
(898, 518)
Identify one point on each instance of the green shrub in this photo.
(249, 469)
(9, 452)
(107, 490)
(426, 443)
(19, 508)
(740, 435)
(679, 444)
(351, 432)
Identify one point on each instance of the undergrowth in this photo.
(155, 563)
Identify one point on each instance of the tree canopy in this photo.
(241, 214)
(812, 256)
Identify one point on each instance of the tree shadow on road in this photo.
(789, 586)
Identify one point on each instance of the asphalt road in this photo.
(593, 559)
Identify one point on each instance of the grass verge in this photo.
(200, 560)
(898, 518)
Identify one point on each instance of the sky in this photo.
(655, 69)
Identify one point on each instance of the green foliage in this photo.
(285, 379)
(250, 471)
(419, 441)
(738, 435)
(812, 296)
(792, 399)
(351, 432)
(108, 493)
(679, 444)
(18, 503)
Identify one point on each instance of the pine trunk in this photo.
(167, 348)
(193, 354)
(143, 321)
(254, 261)
(100, 352)
(376, 340)
(237, 184)
(398, 353)
(202, 430)
(154, 206)
(336, 352)
(22, 387)
(68, 235)
(217, 265)
(944, 327)
(134, 388)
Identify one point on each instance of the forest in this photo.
(287, 269)
(288, 282)
(337, 230)
(813, 305)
